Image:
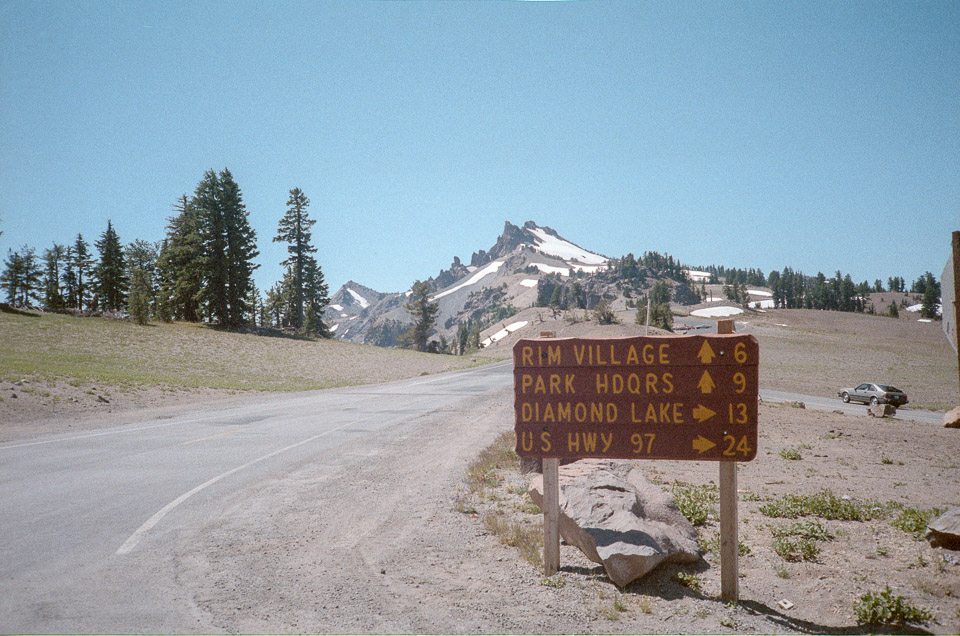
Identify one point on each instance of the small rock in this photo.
(798, 405)
(14, 396)
(785, 604)
(944, 531)
(100, 398)
(952, 418)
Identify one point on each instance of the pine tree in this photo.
(79, 266)
(213, 236)
(21, 277)
(142, 255)
(424, 315)
(140, 296)
(111, 271)
(228, 247)
(275, 304)
(294, 229)
(180, 264)
(931, 296)
(241, 242)
(315, 296)
(53, 259)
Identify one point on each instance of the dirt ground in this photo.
(387, 539)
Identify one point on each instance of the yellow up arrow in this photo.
(702, 444)
(706, 383)
(706, 354)
(702, 414)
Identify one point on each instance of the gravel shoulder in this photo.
(372, 541)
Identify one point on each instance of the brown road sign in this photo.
(653, 397)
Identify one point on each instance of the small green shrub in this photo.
(791, 453)
(795, 549)
(914, 520)
(886, 609)
(695, 502)
(691, 581)
(826, 505)
(555, 581)
(798, 541)
(808, 529)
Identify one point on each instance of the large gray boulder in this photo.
(619, 519)
(944, 531)
(881, 410)
(952, 418)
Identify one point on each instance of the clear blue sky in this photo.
(819, 135)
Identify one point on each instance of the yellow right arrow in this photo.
(706, 353)
(702, 414)
(702, 444)
(706, 383)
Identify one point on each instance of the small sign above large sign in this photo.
(652, 397)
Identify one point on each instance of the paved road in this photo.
(89, 522)
(836, 404)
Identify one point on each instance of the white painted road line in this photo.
(134, 538)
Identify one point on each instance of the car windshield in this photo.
(889, 389)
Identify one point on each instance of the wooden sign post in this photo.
(646, 397)
(729, 548)
(551, 506)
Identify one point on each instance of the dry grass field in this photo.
(60, 365)
(818, 352)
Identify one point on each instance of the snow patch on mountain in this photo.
(551, 269)
(364, 303)
(503, 333)
(556, 246)
(337, 307)
(698, 276)
(529, 282)
(492, 268)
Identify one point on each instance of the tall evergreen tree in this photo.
(228, 247)
(424, 315)
(316, 297)
(79, 265)
(180, 263)
(294, 229)
(111, 271)
(241, 242)
(142, 255)
(213, 236)
(140, 296)
(53, 259)
(21, 277)
(931, 296)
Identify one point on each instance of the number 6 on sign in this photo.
(740, 352)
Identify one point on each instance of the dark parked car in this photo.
(873, 393)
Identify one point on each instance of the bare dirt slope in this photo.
(379, 540)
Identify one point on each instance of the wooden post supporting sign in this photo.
(729, 556)
(551, 506)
